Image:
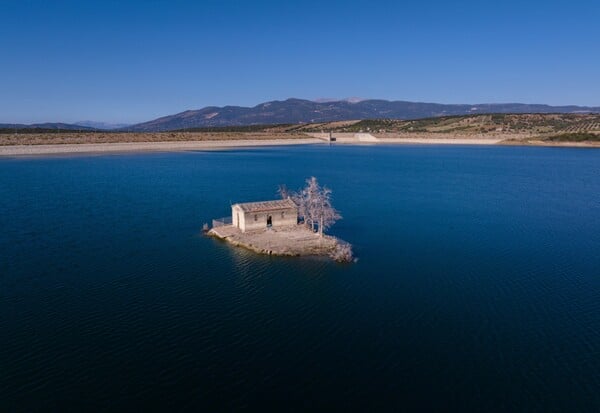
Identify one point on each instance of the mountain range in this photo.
(295, 111)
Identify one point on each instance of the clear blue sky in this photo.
(130, 61)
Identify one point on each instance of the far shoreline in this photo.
(146, 147)
(231, 144)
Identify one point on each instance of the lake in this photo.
(477, 285)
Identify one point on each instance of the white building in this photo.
(264, 214)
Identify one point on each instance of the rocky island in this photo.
(291, 226)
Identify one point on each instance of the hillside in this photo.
(509, 128)
(298, 111)
(43, 128)
(466, 125)
(532, 124)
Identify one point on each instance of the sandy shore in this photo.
(16, 150)
(442, 141)
(206, 145)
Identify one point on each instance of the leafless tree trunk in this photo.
(314, 205)
(328, 215)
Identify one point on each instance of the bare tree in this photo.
(301, 201)
(326, 213)
(314, 205)
(311, 195)
(284, 192)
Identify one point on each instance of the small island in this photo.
(291, 226)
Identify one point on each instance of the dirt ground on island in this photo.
(290, 241)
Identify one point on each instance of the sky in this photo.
(132, 61)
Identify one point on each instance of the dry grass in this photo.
(108, 137)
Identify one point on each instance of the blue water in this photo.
(477, 286)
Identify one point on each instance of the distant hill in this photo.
(301, 112)
(465, 125)
(296, 111)
(101, 125)
(42, 127)
(527, 128)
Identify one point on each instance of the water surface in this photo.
(477, 285)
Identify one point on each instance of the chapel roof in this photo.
(264, 206)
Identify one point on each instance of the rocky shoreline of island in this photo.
(297, 241)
